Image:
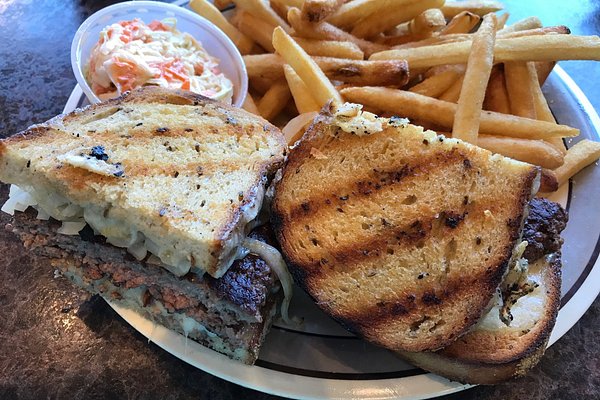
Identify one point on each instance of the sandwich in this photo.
(405, 237)
(494, 351)
(159, 190)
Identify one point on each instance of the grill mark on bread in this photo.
(375, 180)
(417, 231)
(425, 305)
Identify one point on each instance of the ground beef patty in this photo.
(542, 228)
(234, 311)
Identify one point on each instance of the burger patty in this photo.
(234, 310)
(542, 228)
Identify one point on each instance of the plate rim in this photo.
(422, 386)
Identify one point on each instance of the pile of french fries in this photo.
(471, 77)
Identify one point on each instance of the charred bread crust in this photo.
(487, 357)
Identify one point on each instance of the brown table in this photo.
(55, 343)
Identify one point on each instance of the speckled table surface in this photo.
(55, 342)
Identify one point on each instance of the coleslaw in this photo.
(130, 54)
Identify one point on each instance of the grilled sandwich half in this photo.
(169, 173)
(401, 235)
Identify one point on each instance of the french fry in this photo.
(262, 10)
(249, 105)
(267, 66)
(543, 69)
(256, 28)
(412, 105)
(360, 72)
(479, 7)
(502, 21)
(274, 100)
(461, 23)
(305, 67)
(528, 48)
(432, 41)
(542, 110)
(577, 158)
(518, 86)
(300, 92)
(453, 93)
(357, 72)
(435, 85)
(221, 4)
(318, 10)
(524, 24)
(496, 96)
(261, 85)
(561, 29)
(548, 181)
(400, 41)
(354, 10)
(388, 17)
(477, 75)
(212, 13)
(536, 152)
(281, 7)
(458, 68)
(331, 48)
(429, 21)
(327, 31)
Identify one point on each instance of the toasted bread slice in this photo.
(401, 235)
(171, 171)
(493, 352)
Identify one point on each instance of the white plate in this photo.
(322, 360)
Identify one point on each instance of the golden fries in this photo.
(281, 7)
(221, 4)
(453, 92)
(479, 7)
(274, 100)
(256, 28)
(359, 9)
(548, 181)
(477, 75)
(325, 30)
(496, 96)
(577, 158)
(331, 48)
(318, 10)
(262, 10)
(300, 92)
(542, 110)
(518, 86)
(452, 78)
(358, 72)
(211, 13)
(437, 84)
(536, 152)
(561, 29)
(461, 23)
(305, 67)
(529, 48)
(429, 21)
(524, 24)
(412, 105)
(543, 69)
(388, 17)
(502, 21)
(249, 105)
